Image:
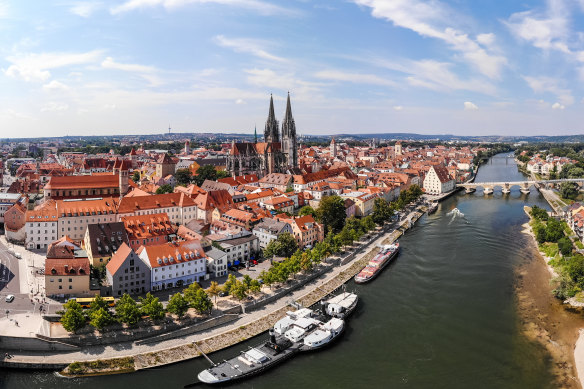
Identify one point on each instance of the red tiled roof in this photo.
(118, 258)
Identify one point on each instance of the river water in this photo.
(443, 315)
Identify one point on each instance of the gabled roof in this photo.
(118, 258)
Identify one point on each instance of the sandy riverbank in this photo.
(545, 319)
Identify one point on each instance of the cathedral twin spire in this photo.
(271, 131)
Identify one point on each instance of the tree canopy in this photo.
(331, 213)
(284, 246)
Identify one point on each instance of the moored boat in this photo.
(377, 264)
(341, 305)
(301, 330)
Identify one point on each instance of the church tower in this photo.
(333, 148)
(271, 133)
(289, 145)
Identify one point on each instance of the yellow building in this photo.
(67, 277)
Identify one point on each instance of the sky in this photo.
(464, 67)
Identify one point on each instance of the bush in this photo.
(565, 246)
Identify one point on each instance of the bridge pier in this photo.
(506, 189)
(487, 190)
(470, 190)
(525, 188)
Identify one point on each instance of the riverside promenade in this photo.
(157, 353)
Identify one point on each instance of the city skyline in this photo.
(373, 66)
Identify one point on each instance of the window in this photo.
(70, 286)
(70, 279)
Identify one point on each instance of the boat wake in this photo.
(456, 214)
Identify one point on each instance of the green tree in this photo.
(202, 303)
(183, 177)
(553, 230)
(127, 310)
(73, 318)
(166, 188)
(255, 286)
(565, 246)
(539, 213)
(229, 283)
(367, 223)
(223, 174)
(569, 190)
(150, 306)
(332, 214)
(284, 246)
(239, 290)
(575, 269)
(382, 212)
(100, 318)
(178, 305)
(205, 172)
(307, 210)
(345, 237)
(97, 303)
(136, 176)
(540, 234)
(190, 292)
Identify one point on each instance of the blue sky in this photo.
(477, 67)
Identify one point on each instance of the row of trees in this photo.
(129, 311)
(353, 229)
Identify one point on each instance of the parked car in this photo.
(9, 298)
(254, 262)
(222, 294)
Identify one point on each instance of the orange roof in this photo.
(87, 207)
(166, 200)
(118, 258)
(44, 214)
(83, 182)
(145, 226)
(172, 253)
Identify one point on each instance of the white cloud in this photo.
(432, 20)
(54, 107)
(85, 8)
(548, 30)
(398, 108)
(468, 106)
(550, 85)
(557, 105)
(357, 78)
(239, 101)
(109, 63)
(35, 67)
(249, 46)
(261, 7)
(55, 85)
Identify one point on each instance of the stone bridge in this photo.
(524, 186)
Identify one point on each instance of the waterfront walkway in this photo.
(258, 317)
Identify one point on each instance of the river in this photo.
(443, 315)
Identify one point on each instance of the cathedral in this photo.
(274, 155)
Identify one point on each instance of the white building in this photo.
(239, 250)
(41, 227)
(268, 230)
(438, 180)
(174, 264)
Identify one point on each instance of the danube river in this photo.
(443, 315)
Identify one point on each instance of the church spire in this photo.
(271, 131)
(255, 134)
(288, 114)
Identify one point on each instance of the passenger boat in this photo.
(299, 331)
(377, 264)
(341, 305)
